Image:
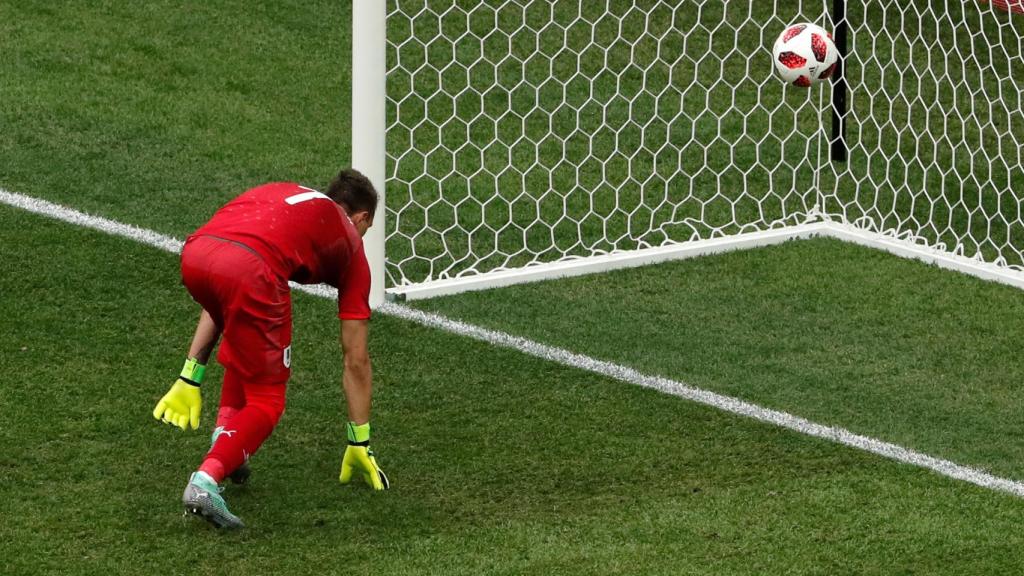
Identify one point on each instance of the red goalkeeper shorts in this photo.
(248, 301)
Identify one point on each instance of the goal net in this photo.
(526, 133)
(935, 127)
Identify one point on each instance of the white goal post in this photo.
(530, 139)
(369, 126)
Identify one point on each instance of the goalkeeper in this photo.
(237, 267)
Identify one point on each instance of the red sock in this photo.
(248, 428)
(214, 468)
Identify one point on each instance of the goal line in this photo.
(571, 359)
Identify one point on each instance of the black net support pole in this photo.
(839, 151)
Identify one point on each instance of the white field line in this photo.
(567, 358)
(95, 222)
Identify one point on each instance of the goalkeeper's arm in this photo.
(357, 378)
(357, 382)
(205, 338)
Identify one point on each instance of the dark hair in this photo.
(353, 192)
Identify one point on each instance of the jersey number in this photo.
(311, 195)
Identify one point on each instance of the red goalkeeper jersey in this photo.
(304, 236)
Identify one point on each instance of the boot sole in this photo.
(203, 508)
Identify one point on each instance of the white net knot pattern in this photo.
(523, 132)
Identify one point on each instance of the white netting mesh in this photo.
(935, 126)
(530, 131)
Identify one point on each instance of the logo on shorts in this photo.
(288, 357)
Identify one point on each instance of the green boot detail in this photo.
(202, 498)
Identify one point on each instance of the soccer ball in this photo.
(805, 54)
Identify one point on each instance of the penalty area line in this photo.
(571, 359)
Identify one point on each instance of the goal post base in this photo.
(604, 263)
(648, 256)
(934, 256)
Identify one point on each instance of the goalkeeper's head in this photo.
(356, 195)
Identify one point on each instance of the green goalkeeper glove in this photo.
(183, 403)
(359, 458)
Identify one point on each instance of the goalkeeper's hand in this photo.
(180, 406)
(183, 403)
(359, 459)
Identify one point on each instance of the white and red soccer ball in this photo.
(805, 54)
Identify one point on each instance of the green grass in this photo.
(155, 113)
(501, 464)
(836, 333)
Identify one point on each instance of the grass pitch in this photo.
(500, 463)
(156, 113)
